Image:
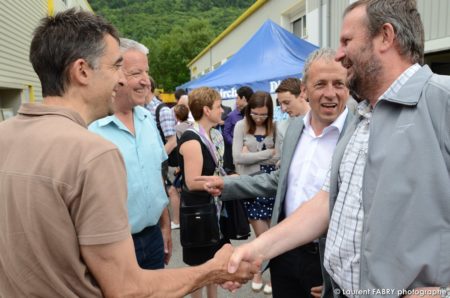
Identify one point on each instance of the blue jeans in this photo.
(149, 247)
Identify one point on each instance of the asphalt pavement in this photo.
(244, 292)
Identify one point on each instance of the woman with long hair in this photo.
(254, 151)
(201, 150)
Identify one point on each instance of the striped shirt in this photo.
(343, 244)
(166, 117)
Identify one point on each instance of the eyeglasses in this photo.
(260, 116)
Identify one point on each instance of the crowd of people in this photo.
(347, 192)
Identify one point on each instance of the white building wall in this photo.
(61, 5)
(277, 11)
(18, 19)
(434, 14)
(323, 21)
(17, 22)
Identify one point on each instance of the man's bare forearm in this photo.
(306, 224)
(115, 268)
(171, 143)
(164, 220)
(177, 283)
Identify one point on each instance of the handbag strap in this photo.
(200, 131)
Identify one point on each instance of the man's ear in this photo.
(387, 36)
(303, 93)
(80, 72)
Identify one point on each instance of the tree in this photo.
(171, 29)
(170, 54)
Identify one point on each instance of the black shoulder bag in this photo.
(199, 224)
(199, 218)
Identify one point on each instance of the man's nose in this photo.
(145, 79)
(121, 81)
(340, 54)
(329, 91)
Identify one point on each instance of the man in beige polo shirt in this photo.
(63, 220)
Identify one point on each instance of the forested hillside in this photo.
(175, 31)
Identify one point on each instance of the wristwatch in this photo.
(445, 292)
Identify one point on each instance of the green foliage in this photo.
(171, 52)
(175, 31)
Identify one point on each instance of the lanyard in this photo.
(200, 131)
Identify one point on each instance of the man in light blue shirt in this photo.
(133, 130)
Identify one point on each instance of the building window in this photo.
(300, 27)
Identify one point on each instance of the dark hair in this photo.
(202, 97)
(152, 84)
(403, 16)
(246, 92)
(181, 112)
(292, 85)
(60, 40)
(178, 93)
(260, 99)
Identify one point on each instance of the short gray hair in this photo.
(323, 53)
(129, 44)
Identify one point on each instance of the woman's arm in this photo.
(246, 158)
(193, 163)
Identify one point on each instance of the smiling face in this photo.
(356, 53)
(107, 79)
(137, 87)
(326, 91)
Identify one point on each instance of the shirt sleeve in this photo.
(248, 158)
(167, 121)
(99, 212)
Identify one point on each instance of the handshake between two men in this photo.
(245, 256)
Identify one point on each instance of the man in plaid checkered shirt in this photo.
(386, 204)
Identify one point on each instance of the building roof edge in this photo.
(257, 5)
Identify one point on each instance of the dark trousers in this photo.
(295, 272)
(149, 247)
(228, 164)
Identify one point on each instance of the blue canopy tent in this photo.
(271, 55)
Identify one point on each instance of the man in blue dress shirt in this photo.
(133, 130)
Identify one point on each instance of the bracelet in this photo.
(445, 292)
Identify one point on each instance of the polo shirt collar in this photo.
(39, 109)
(138, 112)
